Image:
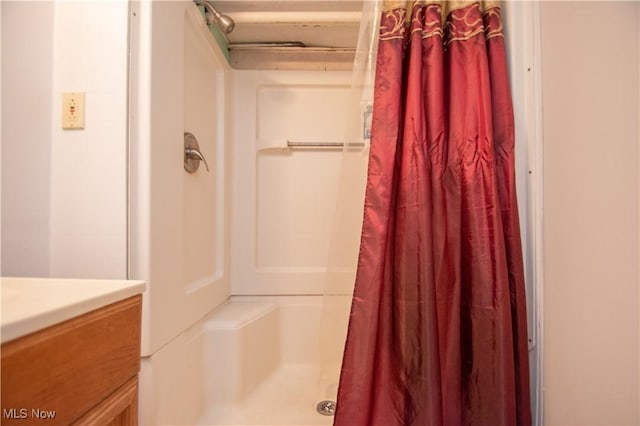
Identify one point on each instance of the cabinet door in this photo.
(62, 372)
(119, 409)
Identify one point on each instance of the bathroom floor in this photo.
(288, 397)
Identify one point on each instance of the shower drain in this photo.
(326, 407)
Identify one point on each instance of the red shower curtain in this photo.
(437, 332)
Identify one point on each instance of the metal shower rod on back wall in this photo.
(323, 144)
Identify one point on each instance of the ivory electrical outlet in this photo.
(73, 110)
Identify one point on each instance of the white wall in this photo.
(26, 136)
(591, 111)
(64, 192)
(89, 167)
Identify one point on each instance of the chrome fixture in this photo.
(323, 144)
(192, 154)
(225, 23)
(326, 407)
(267, 45)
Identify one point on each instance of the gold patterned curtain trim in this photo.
(498, 31)
(447, 6)
(458, 25)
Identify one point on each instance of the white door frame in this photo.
(523, 46)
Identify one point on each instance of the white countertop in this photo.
(31, 304)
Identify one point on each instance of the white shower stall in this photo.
(237, 258)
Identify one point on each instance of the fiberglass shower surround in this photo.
(267, 219)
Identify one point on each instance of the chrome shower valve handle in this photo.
(192, 154)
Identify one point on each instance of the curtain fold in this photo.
(437, 331)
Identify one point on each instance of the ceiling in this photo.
(325, 33)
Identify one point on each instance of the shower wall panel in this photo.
(178, 239)
(284, 197)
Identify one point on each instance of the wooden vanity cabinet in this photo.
(83, 371)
